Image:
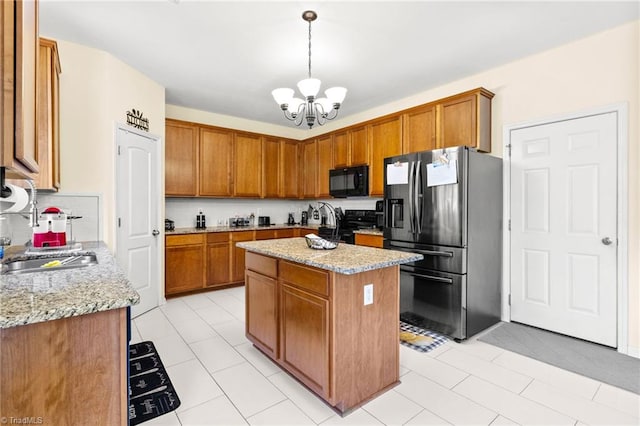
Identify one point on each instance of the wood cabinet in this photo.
(271, 167)
(465, 119)
(48, 116)
(181, 158)
(76, 376)
(237, 257)
(325, 163)
(351, 147)
(419, 129)
(216, 162)
(261, 298)
(19, 54)
(369, 240)
(247, 165)
(290, 161)
(386, 141)
(218, 259)
(308, 169)
(184, 263)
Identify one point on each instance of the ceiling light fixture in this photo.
(311, 108)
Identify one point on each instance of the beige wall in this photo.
(96, 90)
(596, 71)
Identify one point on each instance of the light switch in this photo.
(368, 294)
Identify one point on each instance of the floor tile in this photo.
(557, 377)
(177, 311)
(284, 413)
(496, 374)
(218, 411)
(307, 401)
(214, 315)
(391, 408)
(216, 354)
(135, 335)
(582, 409)
(503, 421)
(153, 325)
(431, 368)
(233, 332)
(194, 330)
(169, 419)
(247, 389)
(510, 405)
(256, 358)
(619, 399)
(237, 292)
(197, 301)
(173, 350)
(478, 349)
(193, 384)
(426, 417)
(443, 402)
(358, 417)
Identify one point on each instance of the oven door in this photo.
(434, 300)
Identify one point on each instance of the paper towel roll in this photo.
(15, 202)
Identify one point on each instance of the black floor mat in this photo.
(151, 393)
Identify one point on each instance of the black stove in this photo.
(352, 220)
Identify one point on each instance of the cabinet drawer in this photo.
(266, 234)
(262, 264)
(217, 237)
(183, 240)
(305, 277)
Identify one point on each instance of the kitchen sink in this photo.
(49, 263)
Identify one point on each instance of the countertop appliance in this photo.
(51, 230)
(446, 204)
(349, 182)
(304, 218)
(352, 220)
(169, 225)
(264, 221)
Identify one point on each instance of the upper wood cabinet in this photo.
(325, 163)
(271, 167)
(386, 141)
(308, 169)
(181, 158)
(216, 162)
(48, 119)
(419, 129)
(19, 54)
(465, 119)
(247, 165)
(289, 160)
(351, 147)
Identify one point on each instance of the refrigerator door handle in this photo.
(411, 205)
(418, 197)
(427, 252)
(428, 277)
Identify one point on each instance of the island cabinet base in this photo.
(315, 324)
(70, 371)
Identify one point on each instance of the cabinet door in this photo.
(309, 169)
(458, 122)
(419, 130)
(247, 166)
(369, 240)
(216, 156)
(287, 233)
(184, 268)
(325, 163)
(237, 257)
(386, 141)
(266, 234)
(358, 146)
(304, 337)
(261, 305)
(270, 167)
(341, 149)
(290, 181)
(218, 264)
(181, 158)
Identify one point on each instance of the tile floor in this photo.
(222, 379)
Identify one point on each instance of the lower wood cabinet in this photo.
(261, 295)
(218, 259)
(237, 263)
(369, 240)
(184, 263)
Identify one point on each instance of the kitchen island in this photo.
(328, 317)
(64, 344)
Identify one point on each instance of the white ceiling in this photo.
(226, 56)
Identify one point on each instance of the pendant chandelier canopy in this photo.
(311, 109)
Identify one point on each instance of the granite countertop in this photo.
(180, 231)
(44, 296)
(345, 259)
(373, 231)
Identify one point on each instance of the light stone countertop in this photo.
(345, 259)
(373, 231)
(44, 296)
(182, 231)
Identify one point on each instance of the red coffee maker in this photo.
(52, 228)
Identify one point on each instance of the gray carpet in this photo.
(588, 359)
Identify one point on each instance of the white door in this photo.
(137, 194)
(563, 227)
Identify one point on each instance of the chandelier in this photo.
(310, 109)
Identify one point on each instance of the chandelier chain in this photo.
(309, 49)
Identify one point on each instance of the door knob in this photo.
(606, 241)
(155, 232)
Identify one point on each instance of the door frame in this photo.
(160, 213)
(622, 229)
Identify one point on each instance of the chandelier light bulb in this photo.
(283, 95)
(309, 87)
(336, 94)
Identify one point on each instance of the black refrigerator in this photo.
(446, 204)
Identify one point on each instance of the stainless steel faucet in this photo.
(33, 209)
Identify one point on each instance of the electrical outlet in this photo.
(368, 294)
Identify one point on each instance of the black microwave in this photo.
(349, 182)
